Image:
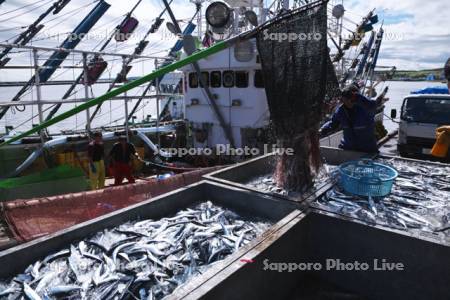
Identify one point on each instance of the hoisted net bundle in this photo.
(333, 91)
(295, 75)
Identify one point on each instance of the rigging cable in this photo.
(22, 7)
(24, 13)
(138, 50)
(33, 29)
(81, 76)
(85, 25)
(152, 83)
(67, 15)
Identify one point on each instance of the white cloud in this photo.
(422, 38)
(417, 32)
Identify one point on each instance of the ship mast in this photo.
(82, 75)
(209, 95)
(177, 47)
(121, 76)
(32, 29)
(57, 58)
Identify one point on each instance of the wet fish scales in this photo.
(145, 259)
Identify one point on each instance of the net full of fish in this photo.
(419, 200)
(144, 259)
(297, 78)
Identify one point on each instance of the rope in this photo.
(13, 28)
(24, 13)
(392, 120)
(163, 166)
(22, 7)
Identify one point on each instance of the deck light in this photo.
(218, 14)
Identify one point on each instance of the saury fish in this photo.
(145, 259)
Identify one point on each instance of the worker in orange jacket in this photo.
(440, 148)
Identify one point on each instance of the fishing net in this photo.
(30, 219)
(298, 75)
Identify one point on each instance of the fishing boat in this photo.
(216, 99)
(229, 236)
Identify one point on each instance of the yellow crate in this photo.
(65, 158)
(61, 158)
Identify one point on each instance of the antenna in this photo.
(198, 5)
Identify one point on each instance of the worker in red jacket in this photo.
(121, 160)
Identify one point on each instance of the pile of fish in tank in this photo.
(143, 259)
(419, 201)
(267, 182)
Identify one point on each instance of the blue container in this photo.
(366, 178)
(164, 176)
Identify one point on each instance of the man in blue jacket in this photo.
(356, 118)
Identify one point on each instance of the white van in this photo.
(420, 115)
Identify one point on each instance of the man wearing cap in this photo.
(356, 116)
(121, 160)
(96, 153)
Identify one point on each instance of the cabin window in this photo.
(205, 76)
(258, 80)
(216, 79)
(241, 78)
(193, 80)
(258, 59)
(228, 79)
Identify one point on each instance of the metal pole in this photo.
(37, 80)
(37, 84)
(80, 100)
(199, 21)
(99, 53)
(124, 78)
(126, 119)
(86, 91)
(158, 137)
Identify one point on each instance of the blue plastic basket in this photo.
(366, 178)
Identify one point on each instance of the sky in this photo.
(417, 37)
(417, 32)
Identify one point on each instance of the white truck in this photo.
(420, 115)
